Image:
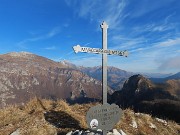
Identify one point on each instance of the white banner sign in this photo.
(78, 48)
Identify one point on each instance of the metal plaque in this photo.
(103, 116)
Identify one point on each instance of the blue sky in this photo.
(148, 29)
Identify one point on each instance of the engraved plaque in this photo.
(103, 116)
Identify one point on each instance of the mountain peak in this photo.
(137, 82)
(68, 64)
(175, 76)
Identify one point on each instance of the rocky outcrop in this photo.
(142, 95)
(174, 87)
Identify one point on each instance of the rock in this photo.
(134, 124)
(69, 133)
(99, 132)
(17, 132)
(115, 132)
(162, 121)
(152, 126)
(77, 132)
(122, 133)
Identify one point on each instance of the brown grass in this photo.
(30, 119)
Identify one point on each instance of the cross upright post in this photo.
(104, 27)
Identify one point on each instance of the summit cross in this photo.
(104, 122)
(104, 51)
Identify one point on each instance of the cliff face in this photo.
(24, 75)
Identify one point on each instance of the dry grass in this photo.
(30, 119)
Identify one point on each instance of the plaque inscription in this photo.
(103, 116)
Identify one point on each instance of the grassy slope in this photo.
(32, 119)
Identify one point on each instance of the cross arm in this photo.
(78, 48)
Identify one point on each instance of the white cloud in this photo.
(161, 28)
(155, 27)
(137, 49)
(53, 32)
(169, 42)
(168, 17)
(147, 6)
(115, 14)
(172, 63)
(88, 60)
(147, 43)
(143, 57)
(132, 45)
(99, 10)
(151, 57)
(50, 48)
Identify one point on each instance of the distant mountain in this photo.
(68, 64)
(24, 75)
(141, 94)
(116, 76)
(175, 76)
(161, 80)
(156, 75)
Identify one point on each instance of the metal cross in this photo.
(104, 51)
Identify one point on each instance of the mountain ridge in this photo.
(175, 76)
(25, 75)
